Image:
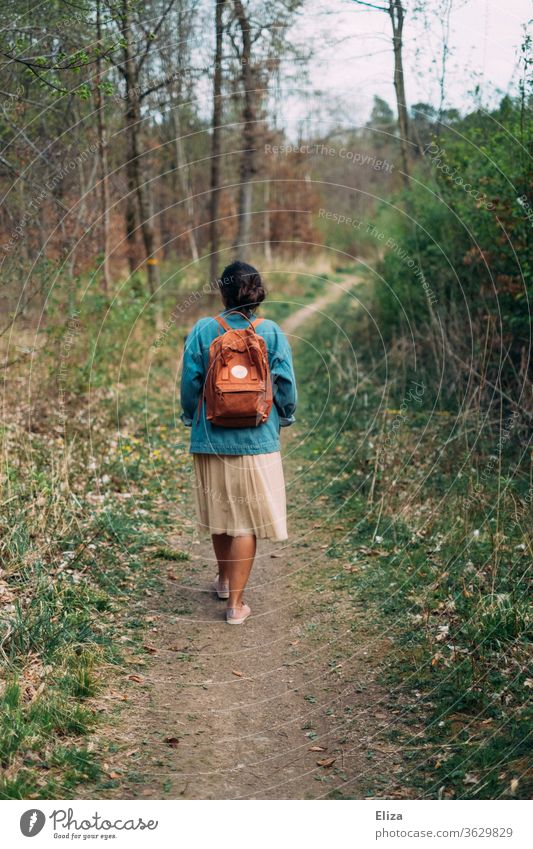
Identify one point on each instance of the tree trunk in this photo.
(266, 220)
(175, 61)
(248, 167)
(215, 141)
(102, 156)
(183, 182)
(396, 14)
(133, 119)
(130, 217)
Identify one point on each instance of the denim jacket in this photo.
(210, 439)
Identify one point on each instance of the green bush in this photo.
(466, 223)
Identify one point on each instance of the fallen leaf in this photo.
(514, 785)
(471, 778)
(317, 748)
(326, 762)
(114, 695)
(113, 775)
(172, 742)
(137, 678)
(171, 576)
(236, 672)
(150, 649)
(275, 554)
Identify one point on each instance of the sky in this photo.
(352, 57)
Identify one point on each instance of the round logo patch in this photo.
(32, 822)
(239, 371)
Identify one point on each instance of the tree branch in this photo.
(156, 29)
(371, 6)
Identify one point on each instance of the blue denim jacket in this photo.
(210, 439)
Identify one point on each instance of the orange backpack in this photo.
(238, 386)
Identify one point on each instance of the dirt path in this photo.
(230, 713)
(298, 318)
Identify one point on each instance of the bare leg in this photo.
(242, 559)
(235, 557)
(222, 546)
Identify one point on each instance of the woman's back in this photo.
(263, 439)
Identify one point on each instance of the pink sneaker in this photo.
(237, 615)
(221, 588)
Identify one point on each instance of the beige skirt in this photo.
(241, 494)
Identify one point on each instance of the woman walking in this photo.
(237, 390)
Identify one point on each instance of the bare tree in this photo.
(130, 69)
(259, 43)
(266, 220)
(215, 138)
(102, 155)
(248, 164)
(135, 52)
(396, 13)
(175, 57)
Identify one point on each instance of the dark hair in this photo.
(241, 287)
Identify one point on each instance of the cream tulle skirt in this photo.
(241, 494)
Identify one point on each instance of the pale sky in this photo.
(353, 56)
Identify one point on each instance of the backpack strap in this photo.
(225, 325)
(222, 322)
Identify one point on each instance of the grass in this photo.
(77, 548)
(434, 541)
(88, 500)
(85, 522)
(59, 637)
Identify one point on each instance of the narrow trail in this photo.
(319, 305)
(231, 713)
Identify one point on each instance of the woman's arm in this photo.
(192, 377)
(283, 380)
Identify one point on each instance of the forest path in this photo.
(319, 305)
(287, 706)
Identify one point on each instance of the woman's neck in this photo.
(238, 310)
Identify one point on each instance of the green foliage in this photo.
(467, 225)
(435, 545)
(36, 732)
